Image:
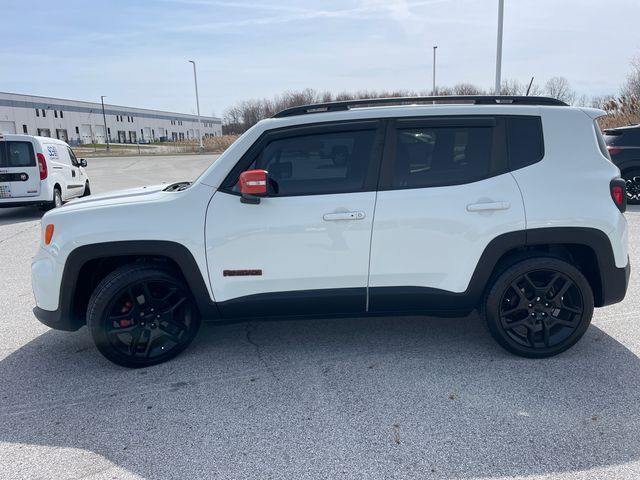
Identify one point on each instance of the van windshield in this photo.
(17, 154)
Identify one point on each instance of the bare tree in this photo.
(466, 89)
(558, 87)
(512, 87)
(631, 87)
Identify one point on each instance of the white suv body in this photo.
(39, 171)
(370, 211)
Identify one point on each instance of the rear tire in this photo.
(539, 307)
(141, 315)
(56, 202)
(632, 180)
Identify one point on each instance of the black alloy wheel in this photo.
(539, 307)
(632, 180)
(141, 315)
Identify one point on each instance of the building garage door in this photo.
(61, 134)
(85, 134)
(7, 127)
(98, 130)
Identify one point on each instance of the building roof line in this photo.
(111, 105)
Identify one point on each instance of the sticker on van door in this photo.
(52, 151)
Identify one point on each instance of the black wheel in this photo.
(632, 179)
(539, 307)
(87, 190)
(142, 315)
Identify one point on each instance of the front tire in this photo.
(539, 307)
(141, 315)
(87, 190)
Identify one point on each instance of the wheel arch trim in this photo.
(174, 251)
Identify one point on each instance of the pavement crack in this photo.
(249, 330)
(18, 233)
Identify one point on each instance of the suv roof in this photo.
(405, 101)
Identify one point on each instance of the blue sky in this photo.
(136, 51)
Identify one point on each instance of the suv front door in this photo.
(304, 249)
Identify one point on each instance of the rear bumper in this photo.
(24, 203)
(56, 320)
(615, 282)
(42, 200)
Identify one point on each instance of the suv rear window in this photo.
(17, 154)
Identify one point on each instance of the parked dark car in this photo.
(623, 144)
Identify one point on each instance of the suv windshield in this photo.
(17, 154)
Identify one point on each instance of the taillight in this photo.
(619, 193)
(614, 150)
(42, 166)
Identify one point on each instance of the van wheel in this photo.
(141, 315)
(56, 202)
(632, 179)
(539, 307)
(87, 190)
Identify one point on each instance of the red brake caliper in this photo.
(125, 308)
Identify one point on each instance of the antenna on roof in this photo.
(529, 87)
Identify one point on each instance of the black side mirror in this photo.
(83, 162)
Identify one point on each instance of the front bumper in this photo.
(55, 319)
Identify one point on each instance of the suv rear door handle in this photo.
(332, 217)
(489, 206)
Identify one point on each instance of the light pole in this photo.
(433, 90)
(104, 119)
(195, 79)
(499, 47)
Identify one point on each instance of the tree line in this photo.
(622, 109)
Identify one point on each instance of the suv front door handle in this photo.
(489, 206)
(332, 217)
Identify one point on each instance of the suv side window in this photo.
(524, 141)
(315, 161)
(446, 151)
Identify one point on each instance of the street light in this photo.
(433, 91)
(195, 79)
(104, 119)
(499, 47)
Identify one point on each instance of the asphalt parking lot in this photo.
(347, 398)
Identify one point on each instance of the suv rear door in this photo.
(445, 193)
(304, 249)
(19, 173)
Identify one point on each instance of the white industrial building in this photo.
(78, 122)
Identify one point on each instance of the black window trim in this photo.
(372, 176)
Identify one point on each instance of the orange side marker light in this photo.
(48, 234)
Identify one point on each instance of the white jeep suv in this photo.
(425, 206)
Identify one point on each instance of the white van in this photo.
(39, 171)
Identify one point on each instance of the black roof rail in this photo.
(453, 99)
